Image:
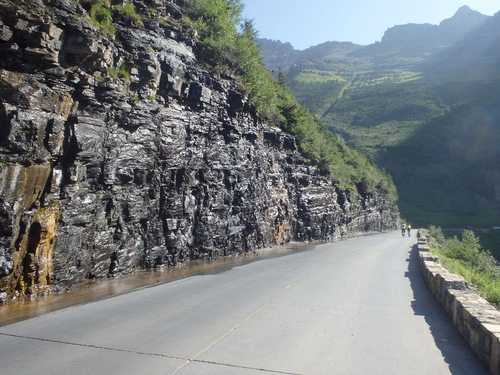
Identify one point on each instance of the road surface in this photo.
(357, 306)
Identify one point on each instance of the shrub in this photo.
(469, 251)
(467, 258)
(437, 234)
(129, 13)
(103, 14)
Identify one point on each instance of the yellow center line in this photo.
(229, 331)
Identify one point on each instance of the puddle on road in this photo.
(92, 290)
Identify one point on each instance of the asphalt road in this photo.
(357, 306)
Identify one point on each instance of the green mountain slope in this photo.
(424, 104)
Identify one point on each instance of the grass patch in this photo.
(103, 14)
(123, 72)
(467, 258)
(310, 76)
(129, 13)
(487, 286)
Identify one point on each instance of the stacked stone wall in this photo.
(477, 320)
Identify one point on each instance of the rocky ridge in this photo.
(124, 152)
(428, 37)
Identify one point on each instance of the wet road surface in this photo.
(97, 289)
(352, 307)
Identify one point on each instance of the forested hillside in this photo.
(424, 104)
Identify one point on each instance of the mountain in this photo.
(424, 104)
(282, 56)
(123, 149)
(464, 21)
(427, 37)
(277, 54)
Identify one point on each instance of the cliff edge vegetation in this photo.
(230, 45)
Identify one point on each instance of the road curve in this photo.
(358, 306)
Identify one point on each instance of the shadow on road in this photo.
(455, 350)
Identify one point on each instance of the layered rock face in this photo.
(123, 152)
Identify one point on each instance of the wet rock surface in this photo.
(124, 152)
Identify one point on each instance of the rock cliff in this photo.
(121, 151)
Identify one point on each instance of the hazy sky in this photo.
(306, 23)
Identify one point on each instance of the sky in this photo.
(306, 23)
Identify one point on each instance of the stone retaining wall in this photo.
(477, 320)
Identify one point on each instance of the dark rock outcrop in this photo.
(123, 152)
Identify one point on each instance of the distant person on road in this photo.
(403, 229)
(408, 229)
